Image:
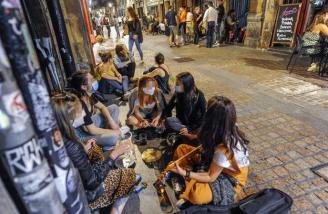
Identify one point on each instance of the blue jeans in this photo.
(124, 86)
(210, 34)
(218, 31)
(138, 45)
(117, 29)
(182, 29)
(107, 141)
(174, 124)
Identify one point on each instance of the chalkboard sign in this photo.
(286, 23)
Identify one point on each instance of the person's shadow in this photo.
(132, 206)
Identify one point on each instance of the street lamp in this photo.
(110, 4)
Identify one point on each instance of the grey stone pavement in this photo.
(283, 115)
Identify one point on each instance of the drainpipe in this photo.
(62, 37)
(25, 67)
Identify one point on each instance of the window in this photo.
(292, 1)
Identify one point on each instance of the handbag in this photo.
(96, 154)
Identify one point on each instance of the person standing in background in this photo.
(211, 17)
(106, 23)
(221, 14)
(189, 25)
(117, 27)
(134, 32)
(172, 20)
(182, 24)
(198, 17)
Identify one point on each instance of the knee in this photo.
(114, 109)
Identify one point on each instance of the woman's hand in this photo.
(120, 148)
(144, 124)
(89, 144)
(184, 131)
(178, 170)
(155, 121)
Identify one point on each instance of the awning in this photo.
(151, 3)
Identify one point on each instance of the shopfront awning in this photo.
(151, 3)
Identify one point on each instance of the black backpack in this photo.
(267, 201)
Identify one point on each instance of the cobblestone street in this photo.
(284, 116)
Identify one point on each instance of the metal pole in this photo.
(62, 37)
(6, 202)
(25, 66)
(23, 166)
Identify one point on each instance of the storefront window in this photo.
(292, 1)
(77, 31)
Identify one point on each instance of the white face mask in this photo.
(179, 89)
(149, 91)
(79, 121)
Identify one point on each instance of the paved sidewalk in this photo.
(284, 116)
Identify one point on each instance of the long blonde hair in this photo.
(318, 19)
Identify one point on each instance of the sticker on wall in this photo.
(4, 120)
(16, 108)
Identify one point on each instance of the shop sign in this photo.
(151, 3)
(286, 23)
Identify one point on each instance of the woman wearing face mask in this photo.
(190, 104)
(104, 125)
(103, 183)
(146, 104)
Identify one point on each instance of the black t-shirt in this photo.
(170, 17)
(88, 114)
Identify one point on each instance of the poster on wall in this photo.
(286, 24)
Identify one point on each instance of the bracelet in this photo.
(187, 175)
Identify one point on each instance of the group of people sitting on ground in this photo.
(90, 128)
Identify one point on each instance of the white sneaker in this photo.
(313, 68)
(180, 203)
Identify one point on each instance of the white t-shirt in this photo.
(189, 17)
(240, 156)
(162, 26)
(96, 49)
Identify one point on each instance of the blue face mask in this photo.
(179, 89)
(95, 86)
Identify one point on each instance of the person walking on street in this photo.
(189, 25)
(198, 17)
(134, 31)
(221, 14)
(106, 23)
(117, 27)
(182, 24)
(172, 20)
(211, 17)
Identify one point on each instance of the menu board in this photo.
(286, 23)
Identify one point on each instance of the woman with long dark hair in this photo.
(225, 156)
(103, 183)
(190, 104)
(135, 31)
(104, 125)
